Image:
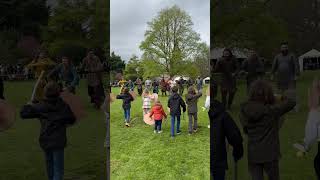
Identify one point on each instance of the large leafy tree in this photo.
(134, 68)
(170, 39)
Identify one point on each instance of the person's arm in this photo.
(151, 113)
(183, 105)
(69, 116)
(169, 102)
(217, 66)
(120, 96)
(274, 65)
(164, 114)
(30, 111)
(233, 136)
(54, 72)
(286, 105)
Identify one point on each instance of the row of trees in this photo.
(170, 46)
(69, 28)
(263, 24)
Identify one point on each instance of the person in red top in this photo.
(158, 113)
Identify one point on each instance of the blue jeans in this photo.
(173, 118)
(127, 115)
(55, 164)
(157, 125)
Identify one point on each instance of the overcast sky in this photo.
(128, 21)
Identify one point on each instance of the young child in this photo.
(146, 99)
(174, 104)
(54, 115)
(192, 103)
(223, 127)
(312, 127)
(260, 118)
(126, 105)
(158, 113)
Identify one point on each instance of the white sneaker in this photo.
(154, 131)
(300, 147)
(209, 126)
(160, 132)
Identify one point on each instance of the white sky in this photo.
(128, 21)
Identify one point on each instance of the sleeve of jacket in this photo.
(285, 105)
(120, 96)
(151, 112)
(183, 105)
(233, 136)
(70, 117)
(169, 102)
(30, 111)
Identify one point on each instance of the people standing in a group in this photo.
(175, 103)
(192, 106)
(286, 68)
(253, 67)
(126, 104)
(139, 86)
(163, 86)
(94, 70)
(189, 83)
(199, 84)
(148, 84)
(228, 67)
(181, 86)
(65, 73)
(130, 85)
(260, 117)
(155, 86)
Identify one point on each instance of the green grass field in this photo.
(21, 157)
(291, 167)
(137, 153)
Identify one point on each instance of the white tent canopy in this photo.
(310, 54)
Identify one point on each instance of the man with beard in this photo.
(286, 67)
(228, 67)
(94, 69)
(253, 67)
(67, 73)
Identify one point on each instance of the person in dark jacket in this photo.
(253, 67)
(66, 72)
(222, 127)
(192, 103)
(260, 118)
(181, 85)
(175, 103)
(228, 67)
(54, 115)
(126, 105)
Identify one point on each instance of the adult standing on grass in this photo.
(181, 86)
(139, 86)
(199, 84)
(253, 68)
(94, 69)
(148, 84)
(286, 67)
(67, 73)
(163, 86)
(175, 103)
(228, 67)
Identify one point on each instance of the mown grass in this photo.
(21, 157)
(137, 153)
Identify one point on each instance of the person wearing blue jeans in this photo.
(174, 104)
(127, 115)
(55, 164)
(55, 116)
(126, 104)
